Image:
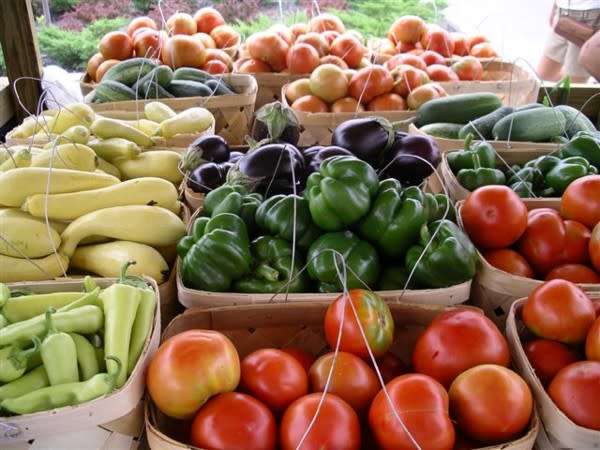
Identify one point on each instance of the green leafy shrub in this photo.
(59, 6)
(72, 49)
(262, 22)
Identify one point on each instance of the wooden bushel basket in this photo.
(252, 327)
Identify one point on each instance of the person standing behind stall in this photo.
(560, 56)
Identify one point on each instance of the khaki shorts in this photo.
(562, 51)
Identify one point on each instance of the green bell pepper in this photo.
(567, 171)
(235, 200)
(479, 175)
(524, 189)
(435, 205)
(393, 222)
(585, 144)
(276, 216)
(341, 192)
(527, 181)
(463, 159)
(274, 268)
(395, 278)
(449, 259)
(543, 163)
(340, 254)
(220, 253)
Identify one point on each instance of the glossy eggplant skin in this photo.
(399, 161)
(367, 138)
(321, 155)
(276, 168)
(206, 177)
(212, 148)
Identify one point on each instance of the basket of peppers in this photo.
(73, 353)
(531, 173)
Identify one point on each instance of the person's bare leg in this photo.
(548, 69)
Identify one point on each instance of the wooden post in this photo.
(21, 53)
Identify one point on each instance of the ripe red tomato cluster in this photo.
(542, 243)
(565, 354)
(459, 386)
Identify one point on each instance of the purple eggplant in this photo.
(310, 152)
(234, 156)
(207, 177)
(271, 169)
(275, 122)
(315, 162)
(399, 161)
(367, 138)
(211, 148)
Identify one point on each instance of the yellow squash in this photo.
(155, 163)
(20, 158)
(26, 237)
(191, 120)
(21, 269)
(67, 156)
(70, 206)
(77, 134)
(115, 148)
(105, 128)
(150, 225)
(158, 111)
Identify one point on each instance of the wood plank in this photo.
(21, 53)
(6, 106)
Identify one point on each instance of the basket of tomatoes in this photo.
(248, 351)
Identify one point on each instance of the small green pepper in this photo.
(4, 294)
(21, 308)
(13, 360)
(59, 354)
(567, 171)
(142, 325)
(3, 321)
(463, 159)
(585, 144)
(86, 357)
(543, 163)
(66, 394)
(479, 175)
(34, 379)
(120, 302)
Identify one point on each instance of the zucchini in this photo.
(219, 87)
(460, 108)
(482, 127)
(181, 88)
(130, 70)
(113, 91)
(531, 125)
(151, 89)
(442, 130)
(192, 74)
(161, 75)
(576, 120)
(529, 106)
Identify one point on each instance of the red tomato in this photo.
(390, 366)
(369, 82)
(594, 247)
(491, 403)
(189, 368)
(576, 390)
(116, 45)
(596, 304)
(352, 379)
(274, 377)
(234, 421)
(306, 359)
(592, 342)
(422, 405)
(581, 200)
(547, 357)
(576, 273)
(559, 310)
(494, 216)
(509, 261)
(336, 426)
(550, 241)
(457, 340)
(374, 317)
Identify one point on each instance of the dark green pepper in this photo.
(567, 171)
(585, 144)
(524, 189)
(220, 254)
(435, 205)
(395, 278)
(479, 175)
(274, 268)
(235, 200)
(393, 222)
(341, 255)
(543, 163)
(449, 259)
(276, 216)
(341, 192)
(463, 159)
(531, 174)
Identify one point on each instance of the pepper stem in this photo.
(19, 359)
(49, 322)
(468, 140)
(266, 272)
(476, 160)
(113, 375)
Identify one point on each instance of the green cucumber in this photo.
(482, 127)
(460, 108)
(576, 120)
(112, 91)
(219, 87)
(184, 88)
(162, 75)
(129, 70)
(192, 74)
(151, 89)
(529, 106)
(531, 125)
(442, 130)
